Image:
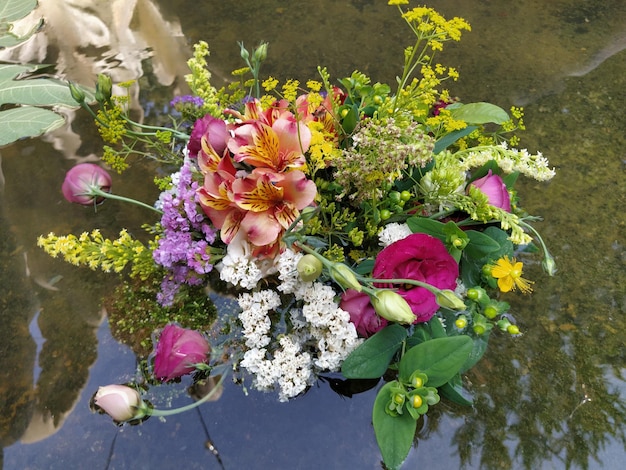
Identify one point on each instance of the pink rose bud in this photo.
(494, 188)
(118, 401)
(80, 182)
(213, 130)
(362, 313)
(177, 351)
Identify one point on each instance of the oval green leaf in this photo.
(440, 359)
(394, 434)
(371, 359)
(480, 113)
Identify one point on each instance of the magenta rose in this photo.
(422, 258)
(177, 351)
(362, 313)
(215, 131)
(494, 188)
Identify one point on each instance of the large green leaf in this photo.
(480, 113)
(394, 434)
(371, 359)
(33, 91)
(11, 10)
(27, 121)
(440, 359)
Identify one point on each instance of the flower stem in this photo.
(95, 191)
(191, 406)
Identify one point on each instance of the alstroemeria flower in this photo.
(494, 188)
(177, 350)
(422, 258)
(273, 139)
(81, 179)
(273, 201)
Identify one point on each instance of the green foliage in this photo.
(20, 87)
(479, 113)
(394, 434)
(371, 359)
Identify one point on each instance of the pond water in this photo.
(552, 398)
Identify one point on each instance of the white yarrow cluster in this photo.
(392, 233)
(322, 335)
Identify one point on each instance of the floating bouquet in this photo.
(361, 229)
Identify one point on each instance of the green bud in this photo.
(309, 268)
(418, 379)
(77, 93)
(504, 324)
(479, 329)
(392, 306)
(548, 264)
(513, 329)
(344, 276)
(490, 311)
(478, 295)
(245, 55)
(260, 53)
(448, 299)
(461, 322)
(104, 88)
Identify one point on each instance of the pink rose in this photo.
(422, 258)
(215, 132)
(177, 351)
(362, 313)
(82, 180)
(494, 188)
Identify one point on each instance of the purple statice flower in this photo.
(182, 100)
(184, 247)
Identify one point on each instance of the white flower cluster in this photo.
(392, 233)
(240, 267)
(321, 335)
(510, 160)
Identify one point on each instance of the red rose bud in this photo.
(118, 401)
(177, 351)
(81, 181)
(494, 188)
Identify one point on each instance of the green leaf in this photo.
(480, 113)
(480, 244)
(394, 434)
(27, 121)
(34, 91)
(11, 10)
(479, 347)
(448, 139)
(453, 390)
(428, 226)
(371, 359)
(440, 359)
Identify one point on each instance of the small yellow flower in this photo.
(509, 275)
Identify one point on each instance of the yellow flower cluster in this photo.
(95, 251)
(199, 80)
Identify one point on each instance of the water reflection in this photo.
(553, 398)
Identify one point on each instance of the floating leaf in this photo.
(371, 359)
(11, 10)
(27, 121)
(394, 434)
